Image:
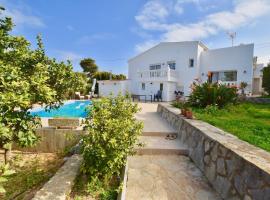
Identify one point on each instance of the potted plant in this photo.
(184, 109)
(188, 113)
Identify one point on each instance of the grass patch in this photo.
(32, 171)
(249, 122)
(84, 189)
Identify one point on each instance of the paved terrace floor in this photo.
(163, 174)
(166, 177)
(152, 121)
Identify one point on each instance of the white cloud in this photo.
(20, 18)
(243, 13)
(178, 7)
(21, 14)
(146, 45)
(265, 59)
(152, 14)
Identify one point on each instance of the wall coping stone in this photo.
(60, 185)
(254, 155)
(258, 100)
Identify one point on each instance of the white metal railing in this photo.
(157, 74)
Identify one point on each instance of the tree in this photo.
(89, 66)
(79, 84)
(266, 79)
(27, 77)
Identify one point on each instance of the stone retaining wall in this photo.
(64, 122)
(54, 140)
(236, 169)
(258, 100)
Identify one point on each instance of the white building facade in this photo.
(257, 79)
(174, 66)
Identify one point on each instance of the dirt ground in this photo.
(32, 170)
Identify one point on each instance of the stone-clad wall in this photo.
(54, 140)
(258, 100)
(236, 169)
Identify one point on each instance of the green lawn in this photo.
(249, 122)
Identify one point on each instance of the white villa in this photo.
(173, 66)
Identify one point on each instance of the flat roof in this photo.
(112, 80)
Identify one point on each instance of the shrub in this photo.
(178, 104)
(112, 132)
(212, 94)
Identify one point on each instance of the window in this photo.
(226, 76)
(155, 67)
(143, 86)
(161, 87)
(171, 65)
(191, 62)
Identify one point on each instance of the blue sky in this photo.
(113, 31)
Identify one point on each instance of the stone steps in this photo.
(159, 133)
(157, 145)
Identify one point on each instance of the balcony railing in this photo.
(158, 75)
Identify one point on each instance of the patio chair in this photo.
(158, 96)
(78, 95)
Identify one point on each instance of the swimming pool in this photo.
(70, 109)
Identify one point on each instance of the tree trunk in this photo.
(7, 155)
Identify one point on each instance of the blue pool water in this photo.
(69, 109)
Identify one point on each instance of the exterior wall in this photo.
(105, 88)
(238, 58)
(54, 140)
(180, 52)
(235, 169)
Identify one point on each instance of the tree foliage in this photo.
(89, 66)
(79, 84)
(103, 75)
(266, 79)
(112, 132)
(27, 77)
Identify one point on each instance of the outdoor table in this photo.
(141, 95)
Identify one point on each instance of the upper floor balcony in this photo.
(158, 75)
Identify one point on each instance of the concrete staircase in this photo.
(159, 145)
(161, 169)
(155, 138)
